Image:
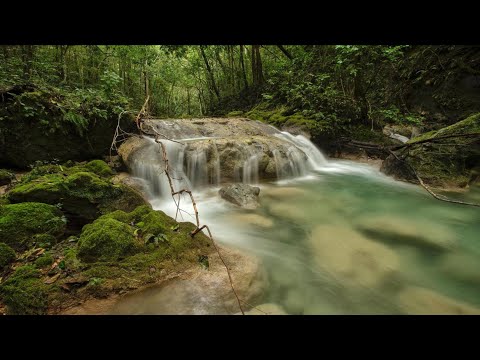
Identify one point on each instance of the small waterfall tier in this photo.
(215, 151)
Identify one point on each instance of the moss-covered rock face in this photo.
(116, 253)
(7, 255)
(444, 163)
(44, 261)
(6, 177)
(55, 129)
(24, 293)
(99, 167)
(19, 223)
(82, 194)
(106, 239)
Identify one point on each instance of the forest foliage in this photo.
(333, 85)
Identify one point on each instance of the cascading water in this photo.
(150, 167)
(197, 162)
(250, 167)
(197, 168)
(315, 158)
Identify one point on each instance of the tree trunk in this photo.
(242, 63)
(210, 73)
(285, 52)
(257, 70)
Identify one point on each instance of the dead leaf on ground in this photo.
(52, 279)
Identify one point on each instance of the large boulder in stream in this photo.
(449, 162)
(242, 195)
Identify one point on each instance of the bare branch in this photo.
(436, 196)
(199, 228)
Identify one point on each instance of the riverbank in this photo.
(196, 290)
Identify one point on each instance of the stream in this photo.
(339, 237)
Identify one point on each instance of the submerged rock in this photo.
(283, 192)
(461, 266)
(292, 212)
(352, 258)
(402, 231)
(253, 219)
(421, 301)
(453, 162)
(242, 195)
(265, 309)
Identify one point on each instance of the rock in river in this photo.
(417, 300)
(242, 195)
(352, 258)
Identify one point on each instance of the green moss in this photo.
(104, 271)
(24, 293)
(99, 167)
(105, 239)
(71, 260)
(87, 185)
(80, 193)
(6, 177)
(20, 222)
(44, 240)
(7, 255)
(154, 223)
(126, 199)
(234, 113)
(119, 215)
(45, 260)
(444, 163)
(132, 217)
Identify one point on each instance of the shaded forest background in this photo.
(330, 90)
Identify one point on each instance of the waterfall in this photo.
(315, 157)
(201, 161)
(149, 166)
(250, 167)
(197, 168)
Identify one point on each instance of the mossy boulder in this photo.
(81, 194)
(99, 167)
(6, 177)
(7, 255)
(106, 239)
(19, 223)
(121, 235)
(24, 293)
(451, 162)
(44, 261)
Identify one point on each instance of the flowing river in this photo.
(337, 237)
